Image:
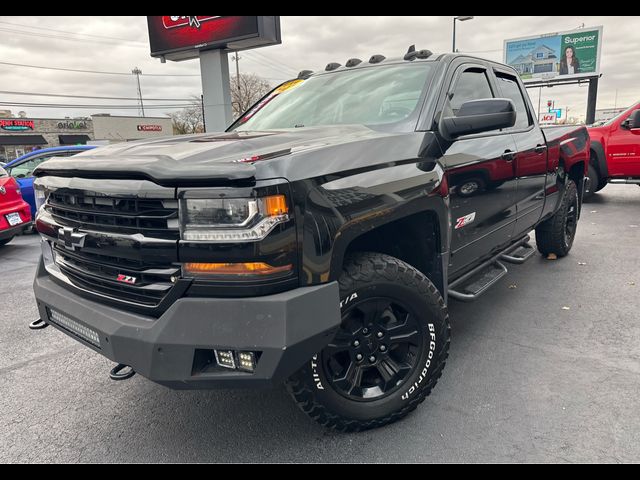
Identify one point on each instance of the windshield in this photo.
(379, 95)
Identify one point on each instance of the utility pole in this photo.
(236, 58)
(137, 72)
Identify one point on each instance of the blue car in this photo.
(22, 168)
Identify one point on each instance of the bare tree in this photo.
(189, 119)
(244, 94)
(247, 91)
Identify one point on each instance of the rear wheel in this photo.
(556, 234)
(388, 354)
(593, 184)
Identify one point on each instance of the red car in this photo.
(615, 151)
(15, 213)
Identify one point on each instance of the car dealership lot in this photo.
(544, 367)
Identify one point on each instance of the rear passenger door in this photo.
(480, 173)
(531, 159)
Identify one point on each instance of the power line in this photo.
(73, 33)
(96, 106)
(36, 94)
(58, 37)
(96, 71)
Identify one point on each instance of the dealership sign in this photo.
(17, 125)
(182, 37)
(556, 56)
(149, 128)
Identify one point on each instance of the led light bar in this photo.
(85, 333)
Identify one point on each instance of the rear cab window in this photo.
(510, 88)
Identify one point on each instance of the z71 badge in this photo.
(466, 220)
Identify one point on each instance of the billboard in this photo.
(181, 38)
(556, 56)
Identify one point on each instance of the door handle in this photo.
(508, 155)
(540, 148)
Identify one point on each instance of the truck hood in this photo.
(203, 159)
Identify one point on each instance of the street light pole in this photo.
(462, 19)
(137, 72)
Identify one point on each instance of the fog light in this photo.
(225, 359)
(247, 361)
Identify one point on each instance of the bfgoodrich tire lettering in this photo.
(412, 312)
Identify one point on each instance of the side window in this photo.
(472, 84)
(25, 169)
(510, 89)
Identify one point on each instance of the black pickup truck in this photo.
(315, 242)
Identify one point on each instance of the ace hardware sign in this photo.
(182, 38)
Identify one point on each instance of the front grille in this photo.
(151, 217)
(93, 273)
(110, 264)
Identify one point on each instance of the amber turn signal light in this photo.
(252, 268)
(274, 205)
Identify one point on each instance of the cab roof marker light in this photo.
(352, 62)
(377, 58)
(332, 66)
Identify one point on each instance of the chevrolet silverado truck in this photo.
(317, 241)
(615, 151)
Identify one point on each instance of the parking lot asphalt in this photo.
(545, 367)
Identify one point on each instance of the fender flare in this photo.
(600, 162)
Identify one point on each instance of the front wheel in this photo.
(388, 354)
(556, 234)
(593, 184)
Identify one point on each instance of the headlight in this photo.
(40, 197)
(231, 220)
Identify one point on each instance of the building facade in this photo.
(20, 135)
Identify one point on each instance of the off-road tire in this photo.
(592, 186)
(369, 276)
(550, 234)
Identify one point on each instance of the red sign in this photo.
(175, 22)
(181, 37)
(149, 128)
(17, 124)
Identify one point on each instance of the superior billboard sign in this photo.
(182, 38)
(556, 56)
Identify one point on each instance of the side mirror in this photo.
(479, 116)
(633, 121)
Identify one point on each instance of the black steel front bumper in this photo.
(287, 329)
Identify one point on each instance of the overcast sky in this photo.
(118, 44)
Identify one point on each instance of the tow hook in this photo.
(38, 324)
(121, 372)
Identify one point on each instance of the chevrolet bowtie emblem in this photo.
(70, 239)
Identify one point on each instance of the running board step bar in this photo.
(474, 283)
(519, 255)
